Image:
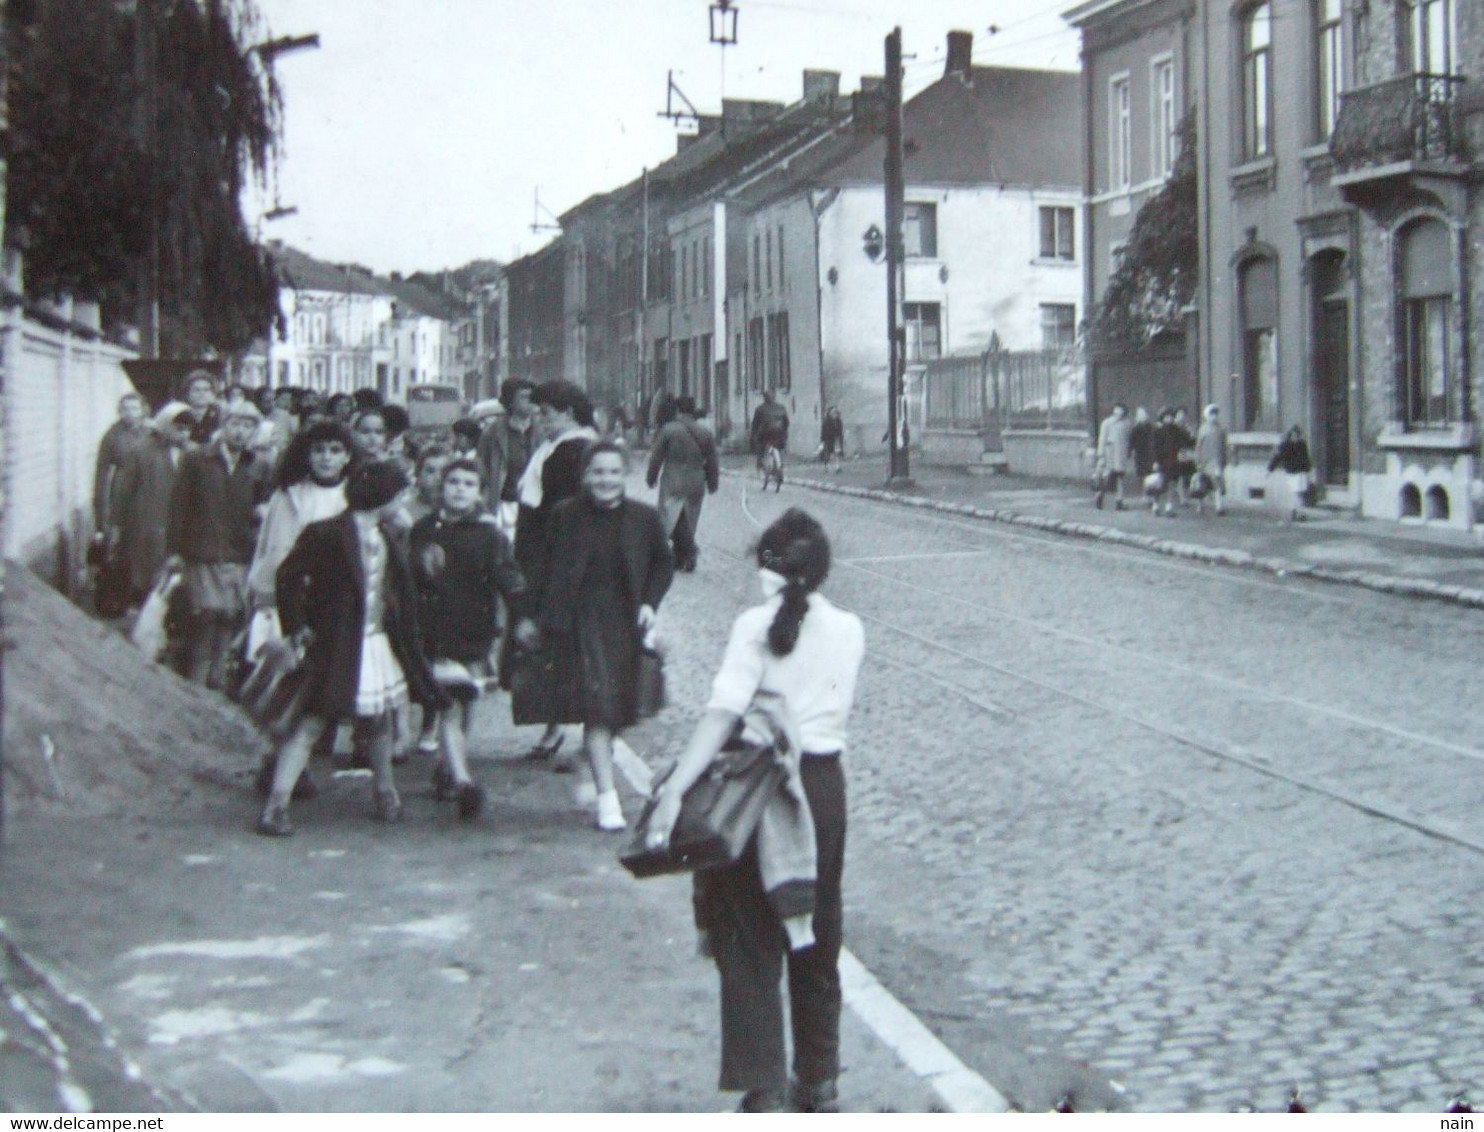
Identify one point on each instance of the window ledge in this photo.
(1047, 261)
(1255, 438)
(1444, 438)
(1260, 174)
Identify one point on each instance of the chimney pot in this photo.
(960, 53)
(821, 85)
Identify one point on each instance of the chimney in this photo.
(821, 85)
(960, 53)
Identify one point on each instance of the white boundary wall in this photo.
(60, 394)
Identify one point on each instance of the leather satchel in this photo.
(718, 815)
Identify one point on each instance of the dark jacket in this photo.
(503, 452)
(1170, 439)
(687, 454)
(561, 479)
(142, 489)
(211, 509)
(648, 565)
(1141, 446)
(322, 585)
(120, 444)
(1292, 455)
(461, 568)
(769, 426)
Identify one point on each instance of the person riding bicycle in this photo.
(769, 427)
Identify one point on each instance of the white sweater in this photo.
(817, 678)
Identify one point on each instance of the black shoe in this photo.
(823, 1096)
(275, 822)
(543, 751)
(389, 806)
(763, 1100)
(471, 800)
(443, 783)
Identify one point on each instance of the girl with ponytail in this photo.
(799, 646)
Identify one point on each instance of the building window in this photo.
(1329, 67)
(755, 353)
(684, 291)
(1427, 324)
(1257, 48)
(757, 263)
(1162, 134)
(707, 269)
(920, 229)
(924, 331)
(1431, 33)
(1058, 326)
(1058, 233)
(780, 364)
(703, 374)
(1120, 134)
(768, 244)
(782, 284)
(695, 269)
(1259, 310)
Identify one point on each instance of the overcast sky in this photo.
(418, 134)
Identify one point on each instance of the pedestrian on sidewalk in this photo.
(309, 487)
(199, 390)
(552, 475)
(120, 446)
(832, 438)
(684, 464)
(504, 449)
(799, 646)
(606, 566)
(1113, 454)
(1211, 453)
(462, 566)
(1141, 445)
(1168, 437)
(140, 516)
(346, 602)
(213, 509)
(1292, 455)
(1185, 455)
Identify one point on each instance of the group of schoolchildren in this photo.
(318, 537)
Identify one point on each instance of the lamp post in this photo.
(724, 35)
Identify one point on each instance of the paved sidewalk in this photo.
(1417, 561)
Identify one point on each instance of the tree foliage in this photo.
(105, 149)
(1156, 277)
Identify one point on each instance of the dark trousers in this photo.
(750, 947)
(683, 540)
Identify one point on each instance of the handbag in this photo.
(1154, 484)
(718, 815)
(649, 694)
(533, 690)
(273, 692)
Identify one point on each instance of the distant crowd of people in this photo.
(1170, 466)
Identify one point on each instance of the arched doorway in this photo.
(1330, 336)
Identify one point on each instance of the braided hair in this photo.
(796, 547)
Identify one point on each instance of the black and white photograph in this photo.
(709, 556)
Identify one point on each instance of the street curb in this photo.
(1465, 596)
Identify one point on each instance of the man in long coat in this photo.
(684, 463)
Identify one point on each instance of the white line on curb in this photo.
(959, 1087)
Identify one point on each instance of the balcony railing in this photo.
(1408, 118)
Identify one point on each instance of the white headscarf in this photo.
(530, 480)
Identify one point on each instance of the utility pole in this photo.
(899, 475)
(147, 70)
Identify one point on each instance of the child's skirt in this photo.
(383, 685)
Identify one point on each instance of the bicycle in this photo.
(771, 465)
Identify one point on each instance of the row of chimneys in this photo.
(824, 86)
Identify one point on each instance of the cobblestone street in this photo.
(1156, 818)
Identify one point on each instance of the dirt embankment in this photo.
(92, 727)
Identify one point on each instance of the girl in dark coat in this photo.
(462, 565)
(1292, 455)
(606, 566)
(345, 599)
